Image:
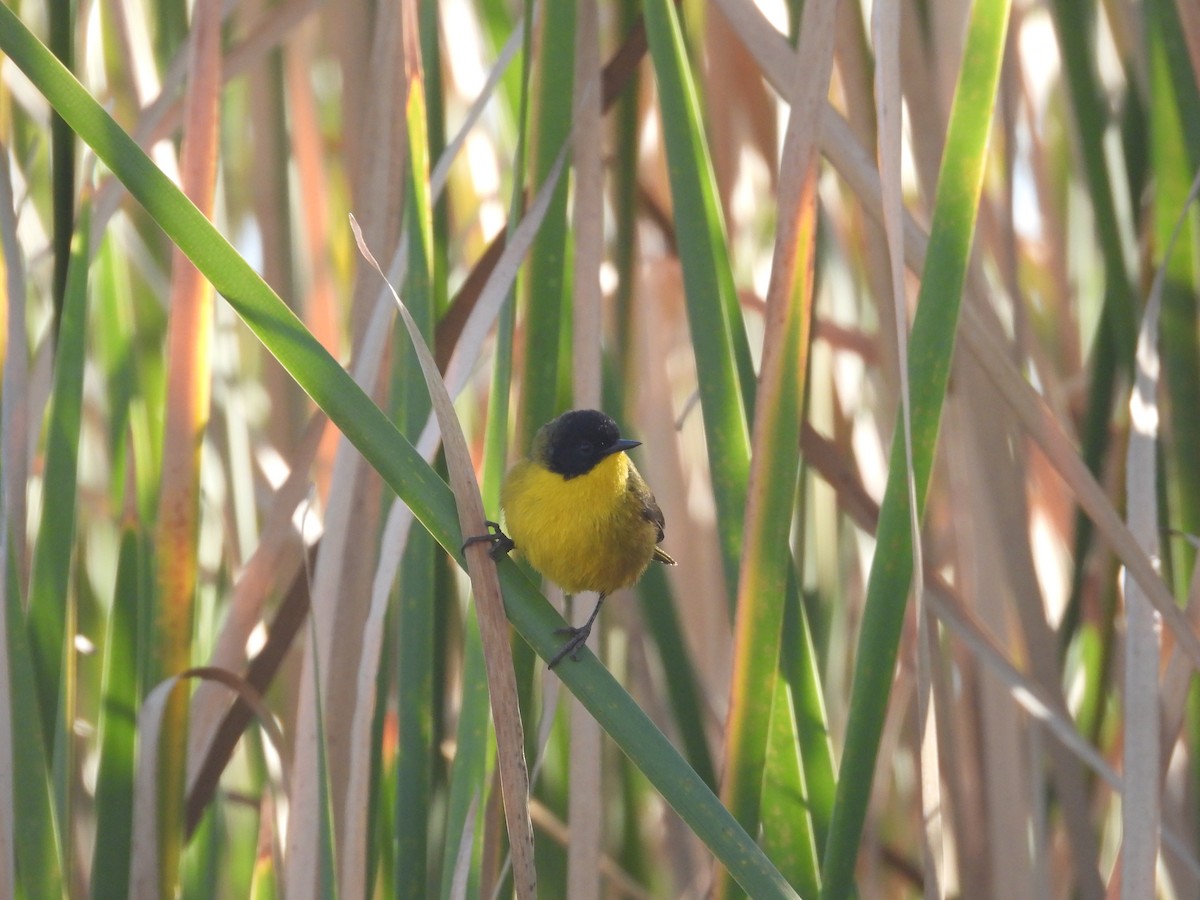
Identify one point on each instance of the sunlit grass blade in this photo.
(118, 730)
(766, 554)
(416, 592)
(801, 670)
(786, 823)
(932, 343)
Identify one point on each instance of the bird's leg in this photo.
(501, 542)
(578, 635)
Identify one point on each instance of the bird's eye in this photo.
(585, 448)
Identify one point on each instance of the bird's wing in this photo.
(652, 513)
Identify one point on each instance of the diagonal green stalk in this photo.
(118, 730)
(959, 185)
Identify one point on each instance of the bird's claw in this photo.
(572, 647)
(500, 542)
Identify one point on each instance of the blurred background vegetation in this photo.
(728, 224)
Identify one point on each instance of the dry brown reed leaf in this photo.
(1177, 680)
(584, 799)
(587, 213)
(1141, 806)
(735, 96)
(860, 233)
(461, 877)
(377, 176)
(328, 594)
(585, 804)
(987, 589)
(190, 324)
(1003, 478)
(489, 606)
(1040, 424)
(1141, 812)
(1176, 685)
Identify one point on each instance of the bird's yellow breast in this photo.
(587, 533)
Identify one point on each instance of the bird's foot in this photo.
(500, 542)
(572, 647)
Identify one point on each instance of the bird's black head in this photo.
(575, 442)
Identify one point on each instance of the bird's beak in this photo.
(623, 444)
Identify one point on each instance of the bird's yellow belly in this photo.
(586, 533)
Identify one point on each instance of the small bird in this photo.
(578, 510)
